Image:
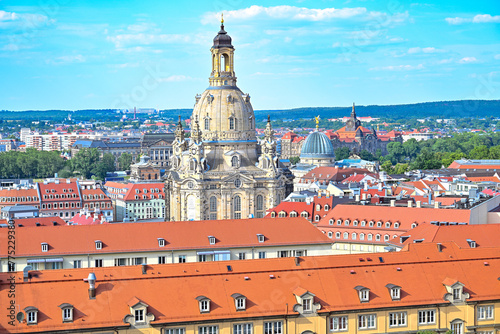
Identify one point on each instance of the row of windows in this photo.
(354, 236)
(400, 319)
(61, 205)
(371, 223)
(101, 196)
(19, 199)
(155, 190)
(56, 196)
(160, 196)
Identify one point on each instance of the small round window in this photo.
(237, 183)
(190, 185)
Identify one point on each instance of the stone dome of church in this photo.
(317, 145)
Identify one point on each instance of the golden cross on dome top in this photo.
(222, 18)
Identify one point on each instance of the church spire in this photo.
(268, 132)
(222, 59)
(179, 130)
(353, 112)
(196, 132)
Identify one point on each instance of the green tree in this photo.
(342, 153)
(401, 168)
(294, 160)
(426, 160)
(107, 164)
(366, 155)
(479, 152)
(85, 161)
(397, 150)
(124, 161)
(387, 167)
(411, 148)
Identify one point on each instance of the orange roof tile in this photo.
(420, 272)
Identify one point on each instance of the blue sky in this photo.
(67, 54)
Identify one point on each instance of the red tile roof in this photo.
(145, 189)
(31, 222)
(419, 272)
(121, 237)
(485, 235)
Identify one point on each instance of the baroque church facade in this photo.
(223, 171)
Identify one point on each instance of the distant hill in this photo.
(441, 109)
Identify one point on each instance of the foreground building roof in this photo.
(172, 293)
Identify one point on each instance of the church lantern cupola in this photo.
(222, 60)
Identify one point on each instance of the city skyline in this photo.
(60, 55)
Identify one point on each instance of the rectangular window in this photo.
(262, 255)
(12, 266)
(161, 260)
(485, 312)
(139, 315)
(306, 304)
(139, 260)
(98, 263)
(456, 293)
(174, 331)
(77, 264)
(275, 327)
(242, 329)
(338, 324)
(31, 317)
(367, 321)
(207, 330)
(120, 262)
(205, 305)
(282, 253)
(67, 314)
(53, 265)
(426, 317)
(202, 258)
(182, 258)
(241, 256)
(397, 319)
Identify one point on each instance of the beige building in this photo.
(223, 171)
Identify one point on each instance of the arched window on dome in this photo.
(213, 208)
(224, 62)
(207, 123)
(237, 207)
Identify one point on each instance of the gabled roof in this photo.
(32, 222)
(188, 235)
(420, 272)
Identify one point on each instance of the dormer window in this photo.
(457, 293)
(211, 240)
(98, 244)
(161, 242)
(305, 301)
(45, 247)
(240, 301)
(363, 293)
(260, 237)
(394, 291)
(31, 315)
(67, 312)
(204, 304)
(472, 243)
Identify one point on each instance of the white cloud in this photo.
(497, 56)
(480, 18)
(468, 60)
(67, 60)
(398, 68)
(24, 21)
(486, 18)
(175, 78)
(424, 50)
(125, 40)
(445, 61)
(286, 12)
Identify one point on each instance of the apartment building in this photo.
(426, 288)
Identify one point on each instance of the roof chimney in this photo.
(357, 198)
(144, 269)
(393, 202)
(363, 196)
(436, 204)
(440, 247)
(91, 280)
(419, 204)
(410, 204)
